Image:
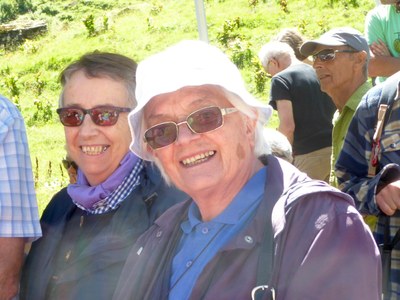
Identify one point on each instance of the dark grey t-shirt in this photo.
(312, 109)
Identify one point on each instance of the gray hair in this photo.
(275, 50)
(103, 64)
(278, 144)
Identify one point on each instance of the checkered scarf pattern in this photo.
(114, 200)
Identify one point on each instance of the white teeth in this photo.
(198, 158)
(93, 150)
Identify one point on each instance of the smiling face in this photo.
(213, 160)
(97, 150)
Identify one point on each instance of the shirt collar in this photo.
(355, 99)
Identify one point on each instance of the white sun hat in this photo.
(188, 63)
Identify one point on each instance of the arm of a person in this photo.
(330, 250)
(11, 259)
(388, 198)
(375, 33)
(286, 119)
(379, 48)
(383, 66)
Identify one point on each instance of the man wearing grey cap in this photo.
(341, 58)
(249, 229)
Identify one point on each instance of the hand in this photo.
(379, 48)
(388, 199)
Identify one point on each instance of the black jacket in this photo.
(93, 273)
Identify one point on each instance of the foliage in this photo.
(10, 84)
(91, 27)
(284, 6)
(229, 32)
(241, 53)
(353, 3)
(11, 9)
(89, 24)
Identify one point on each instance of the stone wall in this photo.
(16, 32)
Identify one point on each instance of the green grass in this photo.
(138, 29)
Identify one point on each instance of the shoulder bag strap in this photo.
(373, 161)
(266, 260)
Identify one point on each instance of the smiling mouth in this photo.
(198, 159)
(94, 150)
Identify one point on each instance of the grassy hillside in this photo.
(29, 71)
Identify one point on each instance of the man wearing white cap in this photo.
(341, 58)
(197, 122)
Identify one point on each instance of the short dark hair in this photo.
(104, 64)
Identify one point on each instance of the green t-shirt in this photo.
(383, 23)
(341, 122)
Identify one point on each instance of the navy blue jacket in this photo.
(93, 274)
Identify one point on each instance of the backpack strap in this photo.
(266, 259)
(376, 141)
(384, 112)
(263, 289)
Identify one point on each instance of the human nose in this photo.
(185, 134)
(317, 63)
(88, 127)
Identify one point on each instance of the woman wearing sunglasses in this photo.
(201, 127)
(89, 227)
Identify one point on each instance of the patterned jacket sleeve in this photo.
(352, 165)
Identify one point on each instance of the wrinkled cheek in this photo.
(240, 153)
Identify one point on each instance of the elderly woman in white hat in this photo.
(197, 122)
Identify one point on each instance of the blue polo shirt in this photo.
(202, 240)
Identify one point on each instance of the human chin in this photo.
(198, 182)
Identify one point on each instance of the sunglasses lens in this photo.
(325, 55)
(70, 116)
(161, 135)
(328, 57)
(201, 121)
(104, 116)
(205, 120)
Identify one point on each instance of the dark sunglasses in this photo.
(69, 163)
(330, 54)
(101, 115)
(200, 121)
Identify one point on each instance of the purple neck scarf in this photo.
(86, 196)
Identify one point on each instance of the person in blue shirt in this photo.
(19, 216)
(198, 123)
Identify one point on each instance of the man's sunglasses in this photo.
(330, 54)
(200, 121)
(101, 115)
